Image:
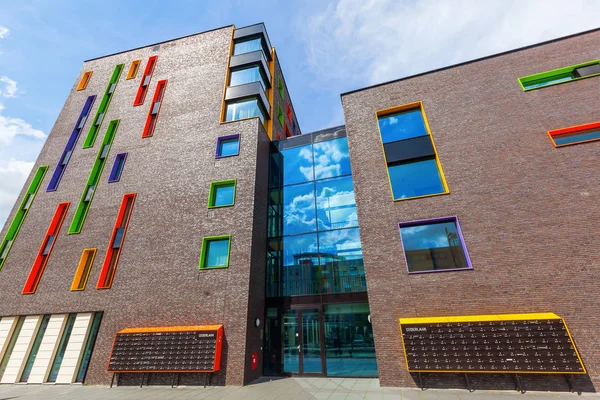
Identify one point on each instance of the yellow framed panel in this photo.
(133, 69)
(488, 318)
(82, 274)
(404, 107)
(84, 80)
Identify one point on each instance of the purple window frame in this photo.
(454, 219)
(221, 139)
(60, 168)
(113, 172)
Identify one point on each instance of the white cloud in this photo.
(358, 42)
(13, 174)
(12, 127)
(10, 87)
(3, 31)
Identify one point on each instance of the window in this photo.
(117, 169)
(83, 269)
(280, 87)
(247, 46)
(62, 348)
(68, 151)
(133, 69)
(89, 347)
(15, 225)
(84, 80)
(288, 111)
(280, 116)
(145, 82)
(286, 130)
(242, 109)
(434, 245)
(11, 344)
(115, 246)
(247, 75)
(575, 134)
(35, 348)
(93, 179)
(228, 146)
(102, 108)
(561, 75)
(215, 252)
(222, 194)
(154, 109)
(35, 275)
(414, 169)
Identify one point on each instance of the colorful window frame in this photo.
(451, 237)
(70, 147)
(205, 250)
(280, 88)
(155, 107)
(103, 107)
(117, 169)
(83, 269)
(419, 149)
(133, 69)
(35, 275)
(221, 140)
(19, 218)
(107, 274)
(85, 79)
(561, 75)
(212, 196)
(94, 178)
(280, 116)
(575, 134)
(145, 82)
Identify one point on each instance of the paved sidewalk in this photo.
(277, 389)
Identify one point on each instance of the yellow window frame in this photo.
(83, 82)
(82, 274)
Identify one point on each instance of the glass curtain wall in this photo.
(314, 244)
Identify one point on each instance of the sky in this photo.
(326, 47)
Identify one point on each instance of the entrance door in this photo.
(302, 342)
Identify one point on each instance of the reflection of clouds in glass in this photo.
(297, 165)
(306, 171)
(297, 246)
(331, 158)
(344, 243)
(299, 209)
(427, 236)
(336, 204)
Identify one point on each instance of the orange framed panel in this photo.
(83, 82)
(111, 260)
(575, 131)
(83, 269)
(405, 107)
(482, 319)
(133, 69)
(35, 275)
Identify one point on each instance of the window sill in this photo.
(439, 270)
(424, 196)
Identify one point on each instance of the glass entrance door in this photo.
(302, 344)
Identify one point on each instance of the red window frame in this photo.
(35, 275)
(288, 110)
(111, 260)
(578, 129)
(159, 94)
(142, 90)
(287, 130)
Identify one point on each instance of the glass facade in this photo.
(247, 75)
(246, 46)
(314, 241)
(244, 109)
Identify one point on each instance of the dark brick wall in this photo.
(157, 281)
(528, 211)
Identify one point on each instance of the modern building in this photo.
(214, 209)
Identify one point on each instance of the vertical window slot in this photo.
(155, 109)
(84, 80)
(83, 269)
(117, 170)
(145, 83)
(133, 69)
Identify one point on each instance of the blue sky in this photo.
(325, 47)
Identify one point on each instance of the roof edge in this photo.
(157, 43)
(473, 61)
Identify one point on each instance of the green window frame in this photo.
(204, 254)
(215, 186)
(21, 213)
(280, 116)
(92, 184)
(280, 87)
(103, 108)
(562, 75)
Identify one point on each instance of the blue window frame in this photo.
(247, 75)
(117, 169)
(228, 146)
(244, 109)
(247, 46)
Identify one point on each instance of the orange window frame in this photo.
(83, 82)
(35, 275)
(83, 269)
(111, 260)
(577, 129)
(142, 90)
(133, 69)
(152, 119)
